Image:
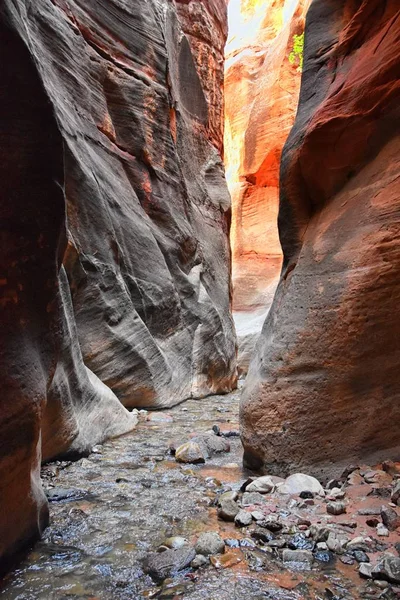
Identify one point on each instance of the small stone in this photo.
(189, 453)
(250, 498)
(388, 569)
(299, 482)
(323, 556)
(300, 542)
(264, 485)
(390, 518)
(319, 533)
(232, 543)
(65, 494)
(243, 518)
(298, 556)
(228, 510)
(336, 508)
(306, 495)
(257, 515)
(230, 495)
(176, 542)
(395, 496)
(224, 561)
(382, 531)
(336, 542)
(216, 429)
(247, 543)
(211, 444)
(355, 478)
(209, 543)
(383, 585)
(262, 535)
(360, 543)
(277, 543)
(164, 564)
(199, 561)
(336, 494)
(361, 556)
(322, 546)
(365, 570)
(271, 523)
(397, 547)
(347, 560)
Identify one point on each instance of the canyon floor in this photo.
(111, 510)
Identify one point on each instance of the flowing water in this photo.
(119, 504)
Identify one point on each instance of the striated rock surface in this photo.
(110, 166)
(262, 84)
(323, 384)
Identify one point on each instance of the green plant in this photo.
(296, 55)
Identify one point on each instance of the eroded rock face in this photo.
(110, 167)
(262, 83)
(323, 385)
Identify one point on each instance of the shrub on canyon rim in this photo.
(296, 54)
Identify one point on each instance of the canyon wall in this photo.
(262, 84)
(115, 258)
(323, 385)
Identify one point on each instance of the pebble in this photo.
(257, 515)
(199, 561)
(336, 542)
(336, 508)
(209, 543)
(228, 510)
(390, 518)
(243, 518)
(230, 495)
(365, 570)
(361, 556)
(277, 543)
(382, 531)
(159, 417)
(271, 523)
(323, 556)
(189, 453)
(300, 542)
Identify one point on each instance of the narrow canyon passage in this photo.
(199, 311)
(110, 511)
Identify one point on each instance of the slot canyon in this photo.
(200, 269)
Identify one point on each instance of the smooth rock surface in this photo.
(322, 389)
(299, 482)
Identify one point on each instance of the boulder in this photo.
(189, 453)
(297, 483)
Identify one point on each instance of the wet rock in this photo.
(298, 556)
(224, 561)
(299, 482)
(395, 496)
(199, 561)
(211, 444)
(300, 542)
(209, 543)
(163, 565)
(336, 508)
(361, 556)
(175, 542)
(365, 570)
(382, 531)
(250, 498)
(189, 453)
(65, 494)
(323, 556)
(243, 518)
(390, 518)
(346, 559)
(388, 569)
(265, 484)
(228, 510)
